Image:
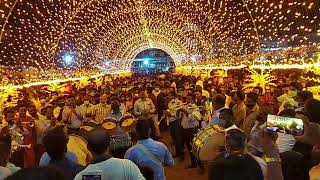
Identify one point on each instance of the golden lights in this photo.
(35, 35)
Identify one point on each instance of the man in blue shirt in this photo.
(219, 103)
(148, 152)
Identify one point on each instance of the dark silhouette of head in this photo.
(143, 129)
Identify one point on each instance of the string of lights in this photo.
(52, 37)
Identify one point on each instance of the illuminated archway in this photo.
(152, 60)
(38, 34)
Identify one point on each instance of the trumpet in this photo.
(16, 147)
(195, 108)
(176, 108)
(31, 123)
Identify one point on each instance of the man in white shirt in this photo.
(45, 122)
(9, 121)
(190, 118)
(4, 172)
(175, 126)
(103, 165)
(6, 168)
(144, 108)
(73, 114)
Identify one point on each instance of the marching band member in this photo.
(8, 120)
(121, 141)
(73, 115)
(200, 101)
(42, 125)
(219, 103)
(144, 108)
(50, 121)
(190, 125)
(154, 115)
(30, 137)
(228, 118)
(9, 127)
(175, 126)
(162, 105)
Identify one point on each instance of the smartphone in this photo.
(293, 126)
(91, 177)
(94, 175)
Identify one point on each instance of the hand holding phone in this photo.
(293, 126)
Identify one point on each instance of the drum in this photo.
(110, 125)
(207, 144)
(118, 142)
(107, 120)
(87, 128)
(128, 123)
(90, 123)
(85, 131)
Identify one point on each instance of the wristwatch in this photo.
(270, 160)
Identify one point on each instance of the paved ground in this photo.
(178, 172)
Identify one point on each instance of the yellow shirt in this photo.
(56, 111)
(78, 146)
(250, 120)
(239, 111)
(88, 109)
(101, 111)
(228, 100)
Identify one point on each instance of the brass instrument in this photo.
(31, 123)
(195, 108)
(176, 108)
(17, 140)
(15, 146)
(16, 136)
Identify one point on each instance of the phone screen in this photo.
(91, 177)
(285, 125)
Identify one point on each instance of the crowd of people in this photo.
(65, 135)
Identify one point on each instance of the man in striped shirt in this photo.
(102, 109)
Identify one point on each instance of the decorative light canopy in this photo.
(38, 34)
